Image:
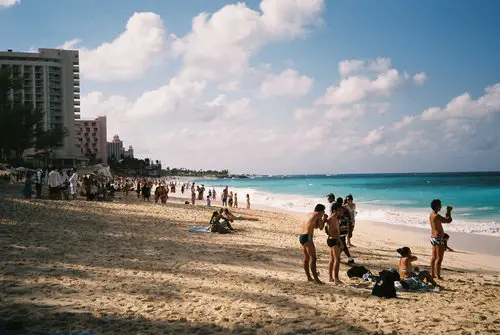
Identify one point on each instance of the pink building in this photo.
(91, 138)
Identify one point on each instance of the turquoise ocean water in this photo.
(393, 198)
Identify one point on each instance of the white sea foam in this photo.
(376, 210)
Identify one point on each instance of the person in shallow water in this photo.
(315, 220)
(437, 236)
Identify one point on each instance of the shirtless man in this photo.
(437, 236)
(333, 241)
(315, 220)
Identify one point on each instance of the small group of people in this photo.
(62, 184)
(339, 226)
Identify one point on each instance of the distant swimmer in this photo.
(437, 236)
(315, 220)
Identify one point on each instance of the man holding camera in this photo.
(437, 236)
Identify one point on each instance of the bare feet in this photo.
(317, 281)
(338, 282)
(440, 278)
(331, 280)
(310, 279)
(351, 246)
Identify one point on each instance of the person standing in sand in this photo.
(351, 207)
(248, 201)
(235, 200)
(334, 243)
(315, 220)
(193, 195)
(437, 236)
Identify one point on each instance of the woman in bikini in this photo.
(406, 270)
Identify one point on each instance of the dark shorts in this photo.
(304, 238)
(331, 242)
(437, 241)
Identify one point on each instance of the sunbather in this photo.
(406, 270)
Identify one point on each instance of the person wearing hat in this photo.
(331, 200)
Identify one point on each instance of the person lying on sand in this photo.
(334, 243)
(231, 217)
(406, 270)
(315, 220)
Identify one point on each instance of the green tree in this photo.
(21, 125)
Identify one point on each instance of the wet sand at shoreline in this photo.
(129, 267)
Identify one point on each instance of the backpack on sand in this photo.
(384, 287)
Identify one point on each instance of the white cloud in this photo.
(229, 86)
(302, 113)
(143, 44)
(420, 78)
(358, 88)
(220, 45)
(406, 121)
(378, 65)
(375, 136)
(221, 108)
(287, 83)
(463, 106)
(70, 45)
(8, 3)
(169, 98)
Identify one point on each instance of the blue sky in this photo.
(185, 122)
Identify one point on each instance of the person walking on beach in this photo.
(224, 196)
(437, 236)
(214, 194)
(193, 195)
(315, 220)
(235, 200)
(344, 224)
(334, 243)
(73, 183)
(54, 184)
(351, 208)
(248, 201)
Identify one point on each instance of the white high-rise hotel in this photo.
(51, 82)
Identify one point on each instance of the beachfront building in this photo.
(115, 148)
(129, 152)
(51, 83)
(91, 138)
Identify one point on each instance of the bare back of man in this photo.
(315, 220)
(335, 244)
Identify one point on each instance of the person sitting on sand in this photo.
(334, 243)
(315, 220)
(406, 270)
(437, 236)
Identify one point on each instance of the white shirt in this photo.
(54, 179)
(74, 179)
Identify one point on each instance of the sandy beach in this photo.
(129, 267)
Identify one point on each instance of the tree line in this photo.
(128, 166)
(22, 125)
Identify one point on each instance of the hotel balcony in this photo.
(76, 76)
(77, 109)
(76, 96)
(76, 89)
(77, 116)
(77, 103)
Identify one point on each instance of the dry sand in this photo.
(128, 267)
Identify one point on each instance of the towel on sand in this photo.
(199, 229)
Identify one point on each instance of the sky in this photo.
(283, 86)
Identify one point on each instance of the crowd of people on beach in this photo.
(339, 226)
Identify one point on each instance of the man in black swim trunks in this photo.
(315, 220)
(334, 243)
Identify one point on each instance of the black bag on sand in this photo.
(357, 271)
(384, 287)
